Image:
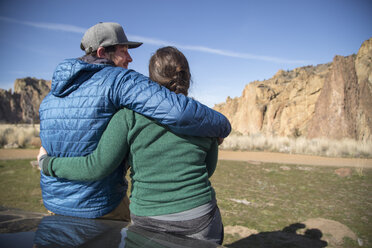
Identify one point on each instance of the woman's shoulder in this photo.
(154, 128)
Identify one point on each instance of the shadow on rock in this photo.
(286, 238)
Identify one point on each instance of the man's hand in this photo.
(220, 140)
(42, 152)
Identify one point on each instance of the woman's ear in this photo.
(101, 52)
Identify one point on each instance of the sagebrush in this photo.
(299, 145)
(19, 135)
(27, 136)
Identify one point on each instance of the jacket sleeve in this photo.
(181, 114)
(109, 154)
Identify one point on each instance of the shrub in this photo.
(299, 145)
(24, 135)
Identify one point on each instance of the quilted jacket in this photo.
(75, 113)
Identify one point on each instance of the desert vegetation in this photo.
(27, 136)
(19, 136)
(299, 145)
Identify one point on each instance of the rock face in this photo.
(337, 104)
(331, 100)
(22, 106)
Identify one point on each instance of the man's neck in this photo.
(95, 60)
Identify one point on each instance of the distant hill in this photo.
(22, 106)
(332, 100)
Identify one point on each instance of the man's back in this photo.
(72, 119)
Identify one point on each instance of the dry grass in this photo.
(300, 145)
(268, 197)
(19, 136)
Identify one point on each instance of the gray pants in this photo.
(213, 232)
(208, 227)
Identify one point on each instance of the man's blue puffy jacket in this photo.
(75, 113)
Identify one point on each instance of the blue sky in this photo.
(228, 43)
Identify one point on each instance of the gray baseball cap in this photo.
(105, 34)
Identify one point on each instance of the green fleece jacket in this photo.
(169, 172)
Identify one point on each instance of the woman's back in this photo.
(169, 172)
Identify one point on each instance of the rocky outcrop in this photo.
(331, 100)
(363, 67)
(337, 104)
(280, 106)
(9, 107)
(22, 106)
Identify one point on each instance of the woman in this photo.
(171, 191)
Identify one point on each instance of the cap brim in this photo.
(133, 44)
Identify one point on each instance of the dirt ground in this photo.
(6, 154)
(253, 157)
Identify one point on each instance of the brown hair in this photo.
(169, 67)
(109, 50)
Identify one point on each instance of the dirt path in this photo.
(271, 157)
(18, 153)
(253, 157)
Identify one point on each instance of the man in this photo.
(108, 41)
(85, 94)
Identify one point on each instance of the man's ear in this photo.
(101, 52)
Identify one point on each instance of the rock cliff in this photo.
(331, 100)
(22, 106)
